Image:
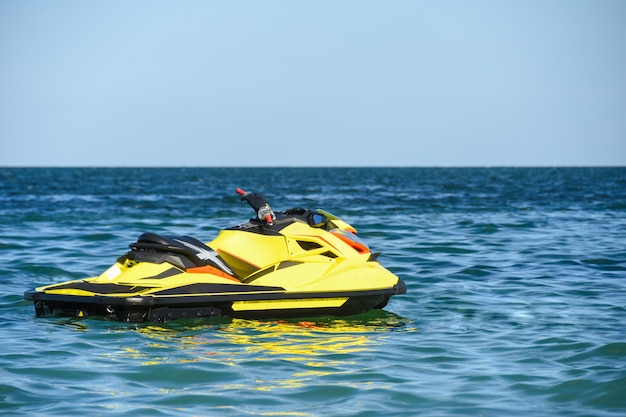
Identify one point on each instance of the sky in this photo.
(313, 83)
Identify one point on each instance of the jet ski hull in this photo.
(252, 305)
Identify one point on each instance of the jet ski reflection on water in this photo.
(296, 263)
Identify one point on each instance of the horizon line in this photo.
(305, 166)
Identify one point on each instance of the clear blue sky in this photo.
(317, 83)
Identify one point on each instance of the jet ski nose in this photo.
(400, 287)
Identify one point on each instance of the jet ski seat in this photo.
(152, 247)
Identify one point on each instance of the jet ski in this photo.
(296, 263)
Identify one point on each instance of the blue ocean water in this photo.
(516, 302)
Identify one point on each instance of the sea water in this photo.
(516, 302)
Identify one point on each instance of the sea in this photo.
(516, 301)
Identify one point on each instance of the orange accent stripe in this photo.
(208, 269)
(356, 245)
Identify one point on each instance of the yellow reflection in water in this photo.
(239, 340)
(267, 350)
(297, 341)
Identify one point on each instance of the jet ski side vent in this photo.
(307, 245)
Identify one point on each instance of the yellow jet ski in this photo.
(297, 263)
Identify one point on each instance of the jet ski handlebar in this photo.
(260, 205)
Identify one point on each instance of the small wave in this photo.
(449, 248)
(606, 264)
(99, 237)
(478, 271)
